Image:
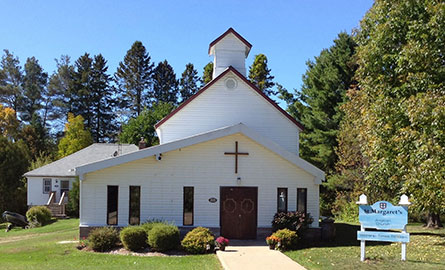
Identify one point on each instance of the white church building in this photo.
(228, 159)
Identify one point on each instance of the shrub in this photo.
(198, 241)
(148, 225)
(294, 221)
(288, 239)
(103, 239)
(163, 237)
(134, 238)
(38, 216)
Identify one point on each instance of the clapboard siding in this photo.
(205, 167)
(35, 195)
(229, 51)
(218, 107)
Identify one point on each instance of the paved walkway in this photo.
(246, 255)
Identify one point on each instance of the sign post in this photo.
(382, 215)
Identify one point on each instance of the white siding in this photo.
(206, 168)
(219, 107)
(229, 51)
(35, 194)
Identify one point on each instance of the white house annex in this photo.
(227, 159)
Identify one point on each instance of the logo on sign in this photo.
(382, 205)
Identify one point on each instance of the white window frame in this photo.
(45, 185)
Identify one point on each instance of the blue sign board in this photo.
(383, 215)
(383, 236)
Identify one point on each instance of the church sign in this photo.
(383, 215)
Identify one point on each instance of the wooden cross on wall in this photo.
(236, 154)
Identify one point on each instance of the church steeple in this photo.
(229, 49)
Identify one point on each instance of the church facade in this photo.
(228, 159)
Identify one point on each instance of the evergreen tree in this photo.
(82, 90)
(207, 75)
(11, 79)
(259, 75)
(143, 125)
(59, 99)
(165, 85)
(189, 82)
(133, 76)
(103, 128)
(317, 106)
(34, 88)
(76, 136)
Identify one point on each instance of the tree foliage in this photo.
(8, 122)
(165, 85)
(133, 76)
(189, 82)
(259, 75)
(143, 125)
(34, 88)
(402, 76)
(76, 137)
(11, 79)
(207, 75)
(317, 105)
(13, 164)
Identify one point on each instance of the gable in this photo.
(216, 106)
(157, 151)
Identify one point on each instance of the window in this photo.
(302, 200)
(135, 205)
(282, 200)
(188, 206)
(64, 187)
(112, 197)
(47, 185)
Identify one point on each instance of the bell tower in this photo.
(229, 49)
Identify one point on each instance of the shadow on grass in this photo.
(346, 235)
(3, 226)
(429, 234)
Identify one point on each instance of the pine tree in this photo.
(189, 82)
(259, 75)
(59, 99)
(11, 79)
(103, 127)
(165, 85)
(34, 88)
(82, 90)
(133, 76)
(207, 75)
(317, 106)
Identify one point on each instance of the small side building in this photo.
(47, 184)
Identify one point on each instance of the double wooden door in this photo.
(238, 212)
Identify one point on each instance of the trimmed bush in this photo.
(288, 239)
(134, 238)
(198, 241)
(103, 239)
(163, 237)
(38, 216)
(148, 225)
(294, 221)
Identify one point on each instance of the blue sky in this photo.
(288, 32)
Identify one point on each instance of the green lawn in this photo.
(38, 249)
(426, 250)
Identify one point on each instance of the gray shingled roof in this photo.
(95, 152)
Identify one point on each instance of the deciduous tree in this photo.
(76, 136)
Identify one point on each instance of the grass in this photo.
(426, 250)
(38, 249)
